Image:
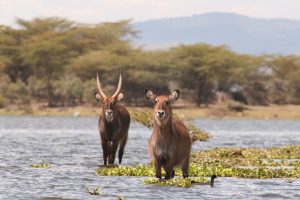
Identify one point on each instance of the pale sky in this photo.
(95, 11)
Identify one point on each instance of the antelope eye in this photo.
(155, 101)
(167, 102)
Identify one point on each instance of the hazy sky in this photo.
(94, 11)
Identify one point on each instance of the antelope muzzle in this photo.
(109, 114)
(160, 114)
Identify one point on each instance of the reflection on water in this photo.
(71, 146)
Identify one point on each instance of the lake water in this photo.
(72, 147)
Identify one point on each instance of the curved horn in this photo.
(119, 86)
(99, 87)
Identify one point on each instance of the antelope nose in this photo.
(109, 112)
(161, 113)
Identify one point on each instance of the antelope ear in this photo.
(120, 96)
(150, 95)
(98, 96)
(174, 96)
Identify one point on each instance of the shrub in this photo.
(16, 92)
(68, 91)
(89, 89)
(2, 101)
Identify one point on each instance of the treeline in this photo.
(54, 61)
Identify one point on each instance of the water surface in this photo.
(72, 147)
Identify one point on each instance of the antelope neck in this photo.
(115, 116)
(165, 129)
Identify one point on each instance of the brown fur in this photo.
(113, 133)
(170, 143)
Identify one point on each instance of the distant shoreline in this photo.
(212, 112)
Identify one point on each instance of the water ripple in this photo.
(72, 147)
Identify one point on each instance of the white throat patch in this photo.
(109, 118)
(158, 120)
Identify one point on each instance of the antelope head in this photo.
(162, 105)
(109, 103)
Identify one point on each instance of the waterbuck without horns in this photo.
(170, 142)
(113, 123)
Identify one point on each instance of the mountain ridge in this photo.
(241, 33)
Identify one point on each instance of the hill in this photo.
(242, 34)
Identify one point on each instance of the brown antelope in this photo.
(170, 142)
(113, 123)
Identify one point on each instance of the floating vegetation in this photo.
(260, 172)
(120, 198)
(232, 157)
(206, 171)
(139, 170)
(178, 182)
(96, 191)
(40, 165)
(144, 117)
(276, 162)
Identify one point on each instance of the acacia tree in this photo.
(285, 80)
(44, 58)
(43, 47)
(45, 50)
(10, 49)
(203, 69)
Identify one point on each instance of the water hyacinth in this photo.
(139, 170)
(261, 172)
(177, 182)
(229, 162)
(40, 165)
(206, 171)
(234, 157)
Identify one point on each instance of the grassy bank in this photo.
(213, 111)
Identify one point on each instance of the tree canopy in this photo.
(55, 61)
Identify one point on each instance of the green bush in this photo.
(2, 101)
(68, 91)
(16, 92)
(89, 89)
(37, 88)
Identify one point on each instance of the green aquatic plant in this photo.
(229, 162)
(207, 171)
(233, 157)
(178, 182)
(40, 165)
(238, 172)
(139, 170)
(144, 117)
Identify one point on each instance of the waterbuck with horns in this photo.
(170, 142)
(113, 123)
